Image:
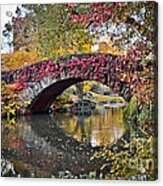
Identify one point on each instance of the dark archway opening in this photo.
(45, 99)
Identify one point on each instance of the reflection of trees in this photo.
(38, 147)
(98, 129)
(80, 126)
(83, 128)
(41, 147)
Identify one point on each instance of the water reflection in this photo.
(47, 146)
(101, 128)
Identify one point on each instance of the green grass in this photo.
(99, 98)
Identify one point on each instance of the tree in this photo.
(61, 29)
(50, 30)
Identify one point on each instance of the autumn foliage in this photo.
(19, 59)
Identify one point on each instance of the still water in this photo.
(59, 145)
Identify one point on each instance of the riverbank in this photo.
(96, 99)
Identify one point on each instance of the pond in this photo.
(101, 128)
(65, 145)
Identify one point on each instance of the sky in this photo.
(5, 10)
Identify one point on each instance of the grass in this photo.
(99, 98)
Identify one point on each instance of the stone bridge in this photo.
(42, 82)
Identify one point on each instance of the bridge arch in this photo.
(44, 100)
(42, 82)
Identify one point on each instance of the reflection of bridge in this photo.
(44, 147)
(40, 147)
(41, 83)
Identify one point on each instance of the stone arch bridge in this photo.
(42, 82)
